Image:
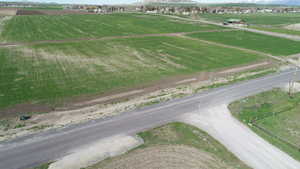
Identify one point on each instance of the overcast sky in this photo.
(131, 1)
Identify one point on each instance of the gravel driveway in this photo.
(240, 140)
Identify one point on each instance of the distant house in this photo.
(235, 22)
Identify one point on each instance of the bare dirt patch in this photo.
(239, 69)
(111, 97)
(293, 87)
(295, 27)
(96, 152)
(294, 59)
(49, 12)
(166, 157)
(8, 11)
(186, 81)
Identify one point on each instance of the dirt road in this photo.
(281, 35)
(239, 139)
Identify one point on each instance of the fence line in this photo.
(275, 136)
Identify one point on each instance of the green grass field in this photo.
(264, 43)
(58, 27)
(257, 19)
(43, 166)
(45, 7)
(275, 111)
(47, 73)
(278, 29)
(179, 134)
(266, 22)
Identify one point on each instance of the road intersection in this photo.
(32, 150)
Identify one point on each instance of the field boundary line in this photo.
(239, 48)
(16, 44)
(268, 33)
(275, 136)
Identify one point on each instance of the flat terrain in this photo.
(45, 7)
(59, 27)
(278, 29)
(43, 166)
(249, 40)
(276, 112)
(8, 11)
(175, 145)
(49, 11)
(267, 22)
(60, 142)
(47, 73)
(257, 19)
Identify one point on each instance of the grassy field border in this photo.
(252, 121)
(185, 135)
(254, 41)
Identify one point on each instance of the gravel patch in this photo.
(93, 153)
(295, 27)
(295, 87)
(240, 140)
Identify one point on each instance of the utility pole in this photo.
(292, 82)
(290, 87)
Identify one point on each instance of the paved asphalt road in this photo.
(30, 151)
(281, 35)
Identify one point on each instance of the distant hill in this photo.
(168, 1)
(287, 2)
(244, 5)
(261, 3)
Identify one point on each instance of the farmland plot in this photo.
(258, 18)
(47, 73)
(274, 22)
(263, 43)
(278, 29)
(59, 27)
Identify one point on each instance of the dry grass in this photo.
(119, 58)
(167, 157)
(175, 146)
